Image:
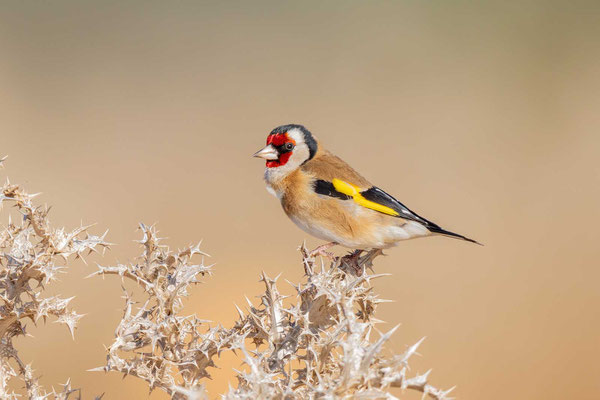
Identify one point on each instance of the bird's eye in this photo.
(289, 146)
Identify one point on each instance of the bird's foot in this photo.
(321, 251)
(349, 263)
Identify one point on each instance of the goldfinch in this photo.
(328, 199)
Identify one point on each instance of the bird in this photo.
(328, 199)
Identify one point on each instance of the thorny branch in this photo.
(318, 346)
(30, 249)
(153, 342)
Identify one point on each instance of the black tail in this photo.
(437, 229)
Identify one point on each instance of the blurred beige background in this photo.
(480, 116)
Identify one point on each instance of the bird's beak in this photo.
(268, 153)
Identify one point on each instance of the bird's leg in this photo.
(320, 251)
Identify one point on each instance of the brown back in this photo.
(326, 166)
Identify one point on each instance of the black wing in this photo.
(326, 188)
(378, 196)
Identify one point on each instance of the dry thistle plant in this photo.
(318, 347)
(31, 257)
(152, 341)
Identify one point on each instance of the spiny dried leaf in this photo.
(318, 346)
(29, 251)
(176, 353)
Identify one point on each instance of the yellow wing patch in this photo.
(354, 192)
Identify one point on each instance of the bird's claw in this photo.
(321, 251)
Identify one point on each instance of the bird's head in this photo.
(288, 147)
